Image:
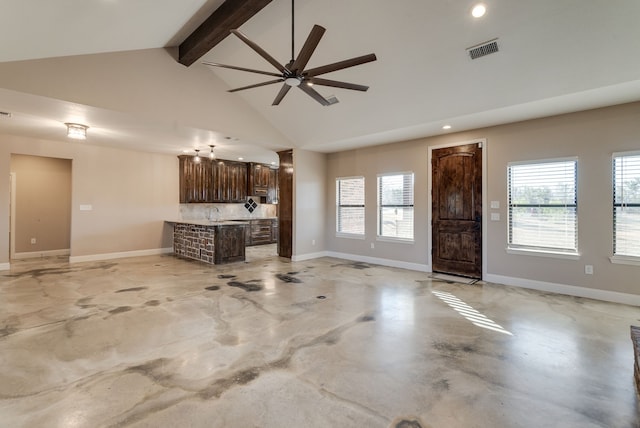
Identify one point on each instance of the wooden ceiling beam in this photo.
(229, 16)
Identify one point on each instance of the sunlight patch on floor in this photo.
(475, 317)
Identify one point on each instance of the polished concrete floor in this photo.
(166, 342)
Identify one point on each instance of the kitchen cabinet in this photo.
(229, 244)
(229, 183)
(195, 180)
(208, 181)
(272, 189)
(258, 179)
(274, 230)
(261, 232)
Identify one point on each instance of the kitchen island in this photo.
(214, 242)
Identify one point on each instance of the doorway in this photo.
(40, 207)
(456, 209)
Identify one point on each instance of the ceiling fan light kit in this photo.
(293, 74)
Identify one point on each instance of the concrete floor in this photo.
(164, 342)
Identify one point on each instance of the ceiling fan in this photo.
(293, 73)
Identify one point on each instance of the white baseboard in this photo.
(38, 254)
(309, 256)
(111, 256)
(378, 261)
(571, 290)
(5, 266)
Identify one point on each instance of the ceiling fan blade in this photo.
(260, 51)
(283, 91)
(336, 84)
(233, 67)
(339, 65)
(257, 85)
(307, 49)
(314, 94)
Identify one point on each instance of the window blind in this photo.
(350, 205)
(543, 205)
(395, 206)
(626, 205)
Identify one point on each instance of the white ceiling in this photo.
(555, 56)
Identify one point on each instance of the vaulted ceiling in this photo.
(114, 65)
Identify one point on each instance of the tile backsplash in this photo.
(226, 211)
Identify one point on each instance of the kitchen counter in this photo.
(210, 222)
(214, 242)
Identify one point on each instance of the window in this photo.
(350, 206)
(543, 206)
(626, 204)
(395, 206)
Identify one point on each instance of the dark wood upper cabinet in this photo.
(258, 179)
(272, 189)
(195, 180)
(207, 181)
(229, 181)
(212, 181)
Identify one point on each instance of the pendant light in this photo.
(211, 154)
(196, 159)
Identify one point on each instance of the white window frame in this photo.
(620, 258)
(339, 233)
(533, 250)
(379, 236)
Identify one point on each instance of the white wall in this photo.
(592, 136)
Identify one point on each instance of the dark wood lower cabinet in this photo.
(229, 244)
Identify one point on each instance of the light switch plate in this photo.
(86, 207)
(495, 205)
(495, 216)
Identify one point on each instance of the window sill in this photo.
(625, 260)
(349, 235)
(397, 240)
(545, 253)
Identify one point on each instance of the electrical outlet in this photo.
(33, 241)
(588, 269)
(313, 242)
(373, 245)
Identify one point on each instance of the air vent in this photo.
(5, 114)
(483, 49)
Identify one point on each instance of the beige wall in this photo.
(592, 136)
(43, 203)
(149, 84)
(131, 194)
(309, 202)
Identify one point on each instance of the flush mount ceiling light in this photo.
(446, 127)
(478, 10)
(211, 154)
(77, 131)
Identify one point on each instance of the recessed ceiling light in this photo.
(478, 10)
(446, 127)
(240, 158)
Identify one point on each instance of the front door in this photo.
(457, 210)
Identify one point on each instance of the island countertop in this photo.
(210, 222)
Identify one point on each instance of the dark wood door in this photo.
(457, 210)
